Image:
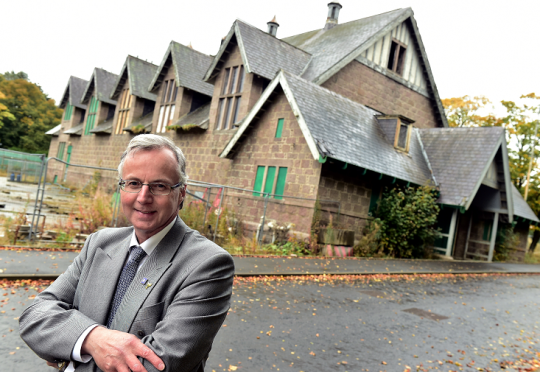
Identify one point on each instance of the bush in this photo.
(368, 246)
(506, 240)
(407, 218)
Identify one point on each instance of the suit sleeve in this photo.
(51, 325)
(184, 337)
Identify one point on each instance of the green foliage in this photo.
(463, 111)
(506, 240)
(15, 75)
(292, 246)
(368, 245)
(26, 113)
(407, 218)
(185, 127)
(138, 129)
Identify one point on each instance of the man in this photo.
(145, 298)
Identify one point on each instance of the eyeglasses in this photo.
(156, 188)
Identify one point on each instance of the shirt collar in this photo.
(151, 243)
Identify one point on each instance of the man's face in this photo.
(150, 213)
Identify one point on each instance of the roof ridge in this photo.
(280, 40)
(341, 24)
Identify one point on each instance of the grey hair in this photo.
(148, 142)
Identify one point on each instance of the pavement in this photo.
(21, 264)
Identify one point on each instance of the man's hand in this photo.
(115, 351)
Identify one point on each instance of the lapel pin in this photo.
(144, 281)
(148, 285)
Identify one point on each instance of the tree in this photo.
(4, 112)
(31, 114)
(15, 75)
(463, 111)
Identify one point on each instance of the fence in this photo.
(21, 166)
(269, 216)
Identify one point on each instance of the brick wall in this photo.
(368, 87)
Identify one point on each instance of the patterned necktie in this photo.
(128, 273)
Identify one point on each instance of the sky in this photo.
(474, 47)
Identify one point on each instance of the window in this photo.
(397, 57)
(125, 104)
(68, 111)
(169, 92)
(279, 129)
(231, 97)
(60, 152)
(267, 180)
(403, 135)
(91, 119)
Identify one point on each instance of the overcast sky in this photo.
(475, 47)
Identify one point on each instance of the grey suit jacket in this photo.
(177, 316)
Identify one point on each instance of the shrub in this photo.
(368, 245)
(506, 240)
(407, 218)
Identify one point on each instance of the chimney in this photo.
(273, 26)
(333, 14)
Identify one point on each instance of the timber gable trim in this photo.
(406, 16)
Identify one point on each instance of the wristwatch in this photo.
(62, 365)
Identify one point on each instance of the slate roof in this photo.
(55, 131)
(458, 157)
(263, 54)
(189, 66)
(76, 130)
(140, 73)
(145, 120)
(348, 131)
(104, 128)
(329, 47)
(73, 93)
(103, 83)
(199, 117)
(521, 208)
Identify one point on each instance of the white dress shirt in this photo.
(148, 246)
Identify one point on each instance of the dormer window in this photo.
(91, 118)
(168, 105)
(397, 130)
(403, 136)
(396, 60)
(67, 112)
(125, 104)
(230, 98)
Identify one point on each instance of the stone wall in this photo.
(371, 88)
(261, 148)
(353, 192)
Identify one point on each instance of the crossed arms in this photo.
(187, 307)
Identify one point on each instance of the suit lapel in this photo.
(153, 269)
(102, 279)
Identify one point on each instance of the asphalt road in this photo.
(47, 263)
(445, 322)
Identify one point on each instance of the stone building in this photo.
(334, 115)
